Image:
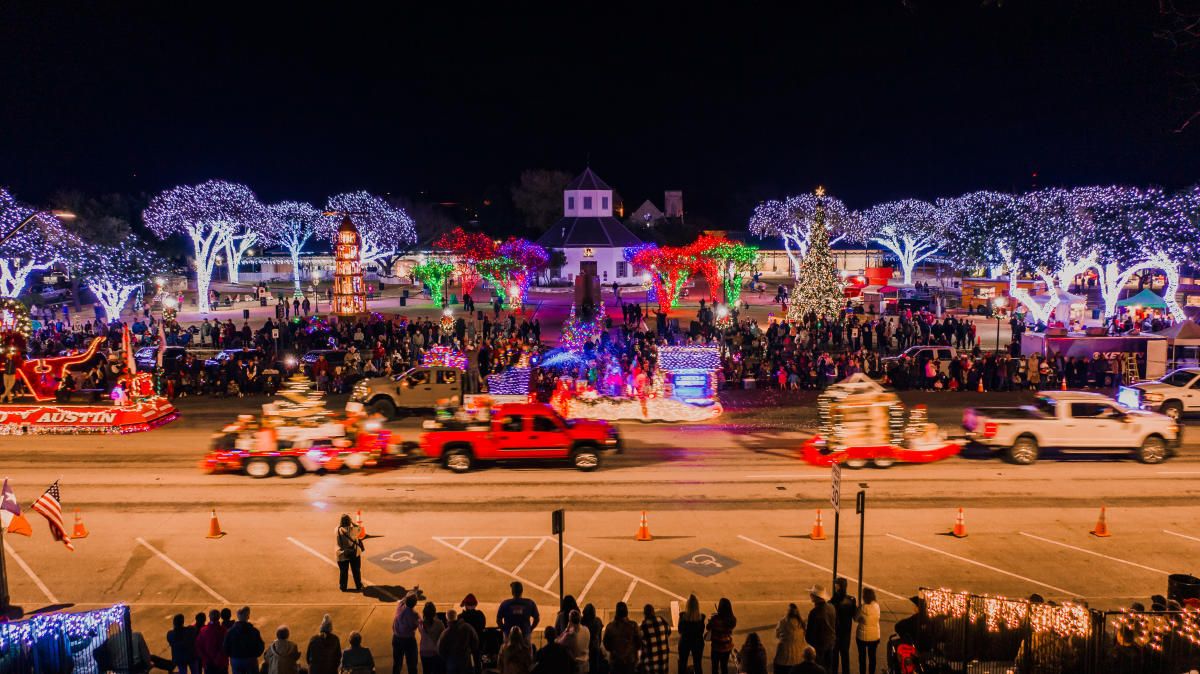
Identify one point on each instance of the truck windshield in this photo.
(1046, 406)
(1178, 378)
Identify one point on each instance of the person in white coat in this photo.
(867, 632)
(790, 645)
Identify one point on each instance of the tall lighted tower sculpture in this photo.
(349, 292)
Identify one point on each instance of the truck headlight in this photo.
(359, 392)
(1151, 397)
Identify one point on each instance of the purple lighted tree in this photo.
(386, 231)
(115, 272)
(210, 214)
(792, 220)
(910, 228)
(291, 224)
(36, 247)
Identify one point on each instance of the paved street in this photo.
(730, 506)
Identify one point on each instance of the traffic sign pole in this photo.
(835, 499)
(558, 522)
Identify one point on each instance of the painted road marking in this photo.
(529, 556)
(464, 542)
(332, 563)
(629, 591)
(184, 572)
(32, 576)
(791, 476)
(986, 566)
(1176, 533)
(570, 549)
(401, 559)
(488, 556)
(814, 565)
(1097, 554)
(554, 576)
(705, 562)
(592, 581)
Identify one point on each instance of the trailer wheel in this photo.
(258, 468)
(288, 468)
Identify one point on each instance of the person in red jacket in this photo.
(208, 645)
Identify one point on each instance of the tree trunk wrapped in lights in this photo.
(434, 274)
(818, 288)
(349, 292)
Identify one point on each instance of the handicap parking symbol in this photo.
(706, 562)
(402, 559)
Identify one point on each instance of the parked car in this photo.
(521, 431)
(922, 353)
(1072, 422)
(147, 358)
(418, 388)
(238, 355)
(1174, 395)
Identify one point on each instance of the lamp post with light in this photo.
(998, 304)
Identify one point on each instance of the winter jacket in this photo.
(208, 646)
(324, 654)
(282, 657)
(457, 646)
(623, 641)
(790, 646)
(243, 641)
(821, 633)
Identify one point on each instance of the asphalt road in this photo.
(730, 506)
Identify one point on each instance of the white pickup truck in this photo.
(1175, 395)
(1073, 422)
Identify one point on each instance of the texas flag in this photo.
(11, 519)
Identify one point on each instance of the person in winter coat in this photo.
(623, 640)
(821, 628)
(720, 633)
(753, 658)
(553, 658)
(430, 628)
(243, 644)
(208, 645)
(789, 635)
(357, 659)
(691, 637)
(808, 663)
(867, 634)
(182, 640)
(404, 635)
(324, 652)
(515, 656)
(845, 608)
(478, 621)
(458, 645)
(282, 656)
(656, 648)
(597, 659)
(576, 639)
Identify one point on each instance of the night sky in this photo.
(874, 100)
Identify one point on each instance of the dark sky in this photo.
(874, 100)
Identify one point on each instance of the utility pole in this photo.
(558, 523)
(835, 499)
(860, 507)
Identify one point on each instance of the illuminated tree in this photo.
(469, 249)
(434, 273)
(734, 260)
(209, 214)
(517, 261)
(792, 220)
(911, 229)
(291, 225)
(386, 231)
(669, 269)
(972, 222)
(115, 271)
(818, 290)
(36, 247)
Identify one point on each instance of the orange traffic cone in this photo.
(1064, 382)
(643, 533)
(214, 527)
(818, 530)
(960, 525)
(79, 531)
(1101, 529)
(980, 388)
(362, 531)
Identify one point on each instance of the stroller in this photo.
(902, 657)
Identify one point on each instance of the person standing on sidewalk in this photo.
(458, 645)
(349, 553)
(324, 653)
(622, 640)
(243, 644)
(789, 646)
(820, 632)
(208, 645)
(518, 612)
(656, 649)
(404, 635)
(867, 635)
(720, 633)
(691, 637)
(845, 608)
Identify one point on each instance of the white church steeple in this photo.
(588, 197)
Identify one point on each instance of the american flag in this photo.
(49, 505)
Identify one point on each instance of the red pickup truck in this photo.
(521, 431)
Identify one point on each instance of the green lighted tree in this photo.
(733, 261)
(818, 288)
(434, 273)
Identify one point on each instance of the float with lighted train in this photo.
(131, 406)
(863, 424)
(297, 433)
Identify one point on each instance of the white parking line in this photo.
(334, 564)
(184, 572)
(629, 591)
(1096, 554)
(627, 574)
(592, 581)
(814, 565)
(1176, 533)
(791, 476)
(464, 542)
(554, 576)
(498, 569)
(987, 566)
(29, 572)
(529, 556)
(488, 556)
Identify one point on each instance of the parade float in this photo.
(133, 405)
(861, 423)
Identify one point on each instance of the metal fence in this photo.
(92, 642)
(979, 634)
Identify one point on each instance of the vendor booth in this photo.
(1148, 351)
(1183, 344)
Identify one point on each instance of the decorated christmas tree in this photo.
(818, 288)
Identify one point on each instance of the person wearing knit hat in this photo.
(472, 616)
(469, 601)
(324, 654)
